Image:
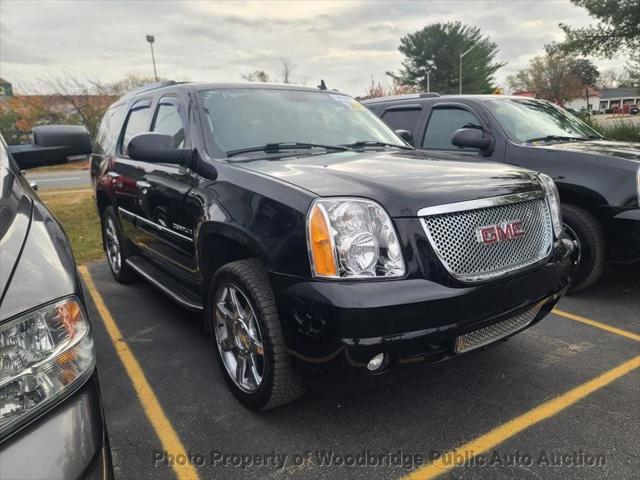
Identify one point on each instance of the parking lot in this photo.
(163, 391)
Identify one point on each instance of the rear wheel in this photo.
(246, 330)
(116, 247)
(588, 236)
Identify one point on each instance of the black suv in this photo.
(598, 180)
(323, 250)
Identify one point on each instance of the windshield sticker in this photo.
(348, 102)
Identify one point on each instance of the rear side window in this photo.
(109, 129)
(137, 122)
(405, 119)
(168, 121)
(443, 122)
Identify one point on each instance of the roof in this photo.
(213, 86)
(418, 96)
(619, 93)
(406, 96)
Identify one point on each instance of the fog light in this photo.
(376, 362)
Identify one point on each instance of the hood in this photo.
(15, 216)
(606, 148)
(402, 181)
(36, 263)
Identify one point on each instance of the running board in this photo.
(166, 284)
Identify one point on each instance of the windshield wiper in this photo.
(280, 146)
(559, 137)
(374, 143)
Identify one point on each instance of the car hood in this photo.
(402, 181)
(606, 148)
(36, 263)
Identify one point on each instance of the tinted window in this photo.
(109, 129)
(402, 119)
(443, 122)
(168, 122)
(242, 118)
(137, 122)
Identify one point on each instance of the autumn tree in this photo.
(555, 76)
(257, 76)
(436, 49)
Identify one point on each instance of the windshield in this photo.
(528, 119)
(249, 117)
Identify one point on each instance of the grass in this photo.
(622, 130)
(76, 211)
(80, 165)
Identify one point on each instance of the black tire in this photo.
(111, 226)
(589, 233)
(280, 384)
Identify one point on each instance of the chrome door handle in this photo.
(113, 174)
(141, 184)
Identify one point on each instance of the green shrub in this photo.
(622, 130)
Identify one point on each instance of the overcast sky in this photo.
(343, 42)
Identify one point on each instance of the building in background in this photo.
(618, 99)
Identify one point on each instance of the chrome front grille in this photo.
(487, 335)
(453, 235)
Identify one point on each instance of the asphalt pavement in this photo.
(60, 179)
(438, 409)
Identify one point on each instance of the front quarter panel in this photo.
(265, 215)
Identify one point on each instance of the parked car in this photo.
(598, 179)
(51, 420)
(323, 250)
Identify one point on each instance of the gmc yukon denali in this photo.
(323, 251)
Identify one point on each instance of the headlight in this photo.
(43, 354)
(352, 238)
(554, 202)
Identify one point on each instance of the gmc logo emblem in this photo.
(499, 233)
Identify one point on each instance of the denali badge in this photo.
(499, 233)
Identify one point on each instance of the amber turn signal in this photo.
(322, 254)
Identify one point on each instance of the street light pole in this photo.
(460, 68)
(430, 65)
(151, 39)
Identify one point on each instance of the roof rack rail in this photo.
(429, 94)
(150, 86)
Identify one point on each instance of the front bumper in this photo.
(333, 329)
(66, 442)
(624, 237)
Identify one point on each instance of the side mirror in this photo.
(467, 137)
(405, 135)
(52, 144)
(157, 148)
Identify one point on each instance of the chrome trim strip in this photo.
(157, 225)
(480, 203)
(162, 287)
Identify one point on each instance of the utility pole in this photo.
(430, 66)
(151, 39)
(460, 70)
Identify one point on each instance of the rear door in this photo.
(403, 117)
(168, 213)
(126, 173)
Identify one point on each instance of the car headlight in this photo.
(554, 202)
(352, 238)
(43, 355)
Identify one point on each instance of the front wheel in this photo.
(588, 236)
(246, 330)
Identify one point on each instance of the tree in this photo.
(555, 76)
(436, 49)
(257, 76)
(286, 68)
(618, 29)
(377, 89)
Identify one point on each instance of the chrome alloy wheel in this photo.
(112, 245)
(238, 337)
(573, 236)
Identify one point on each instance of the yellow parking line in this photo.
(168, 436)
(507, 430)
(593, 323)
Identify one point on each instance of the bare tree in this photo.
(286, 68)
